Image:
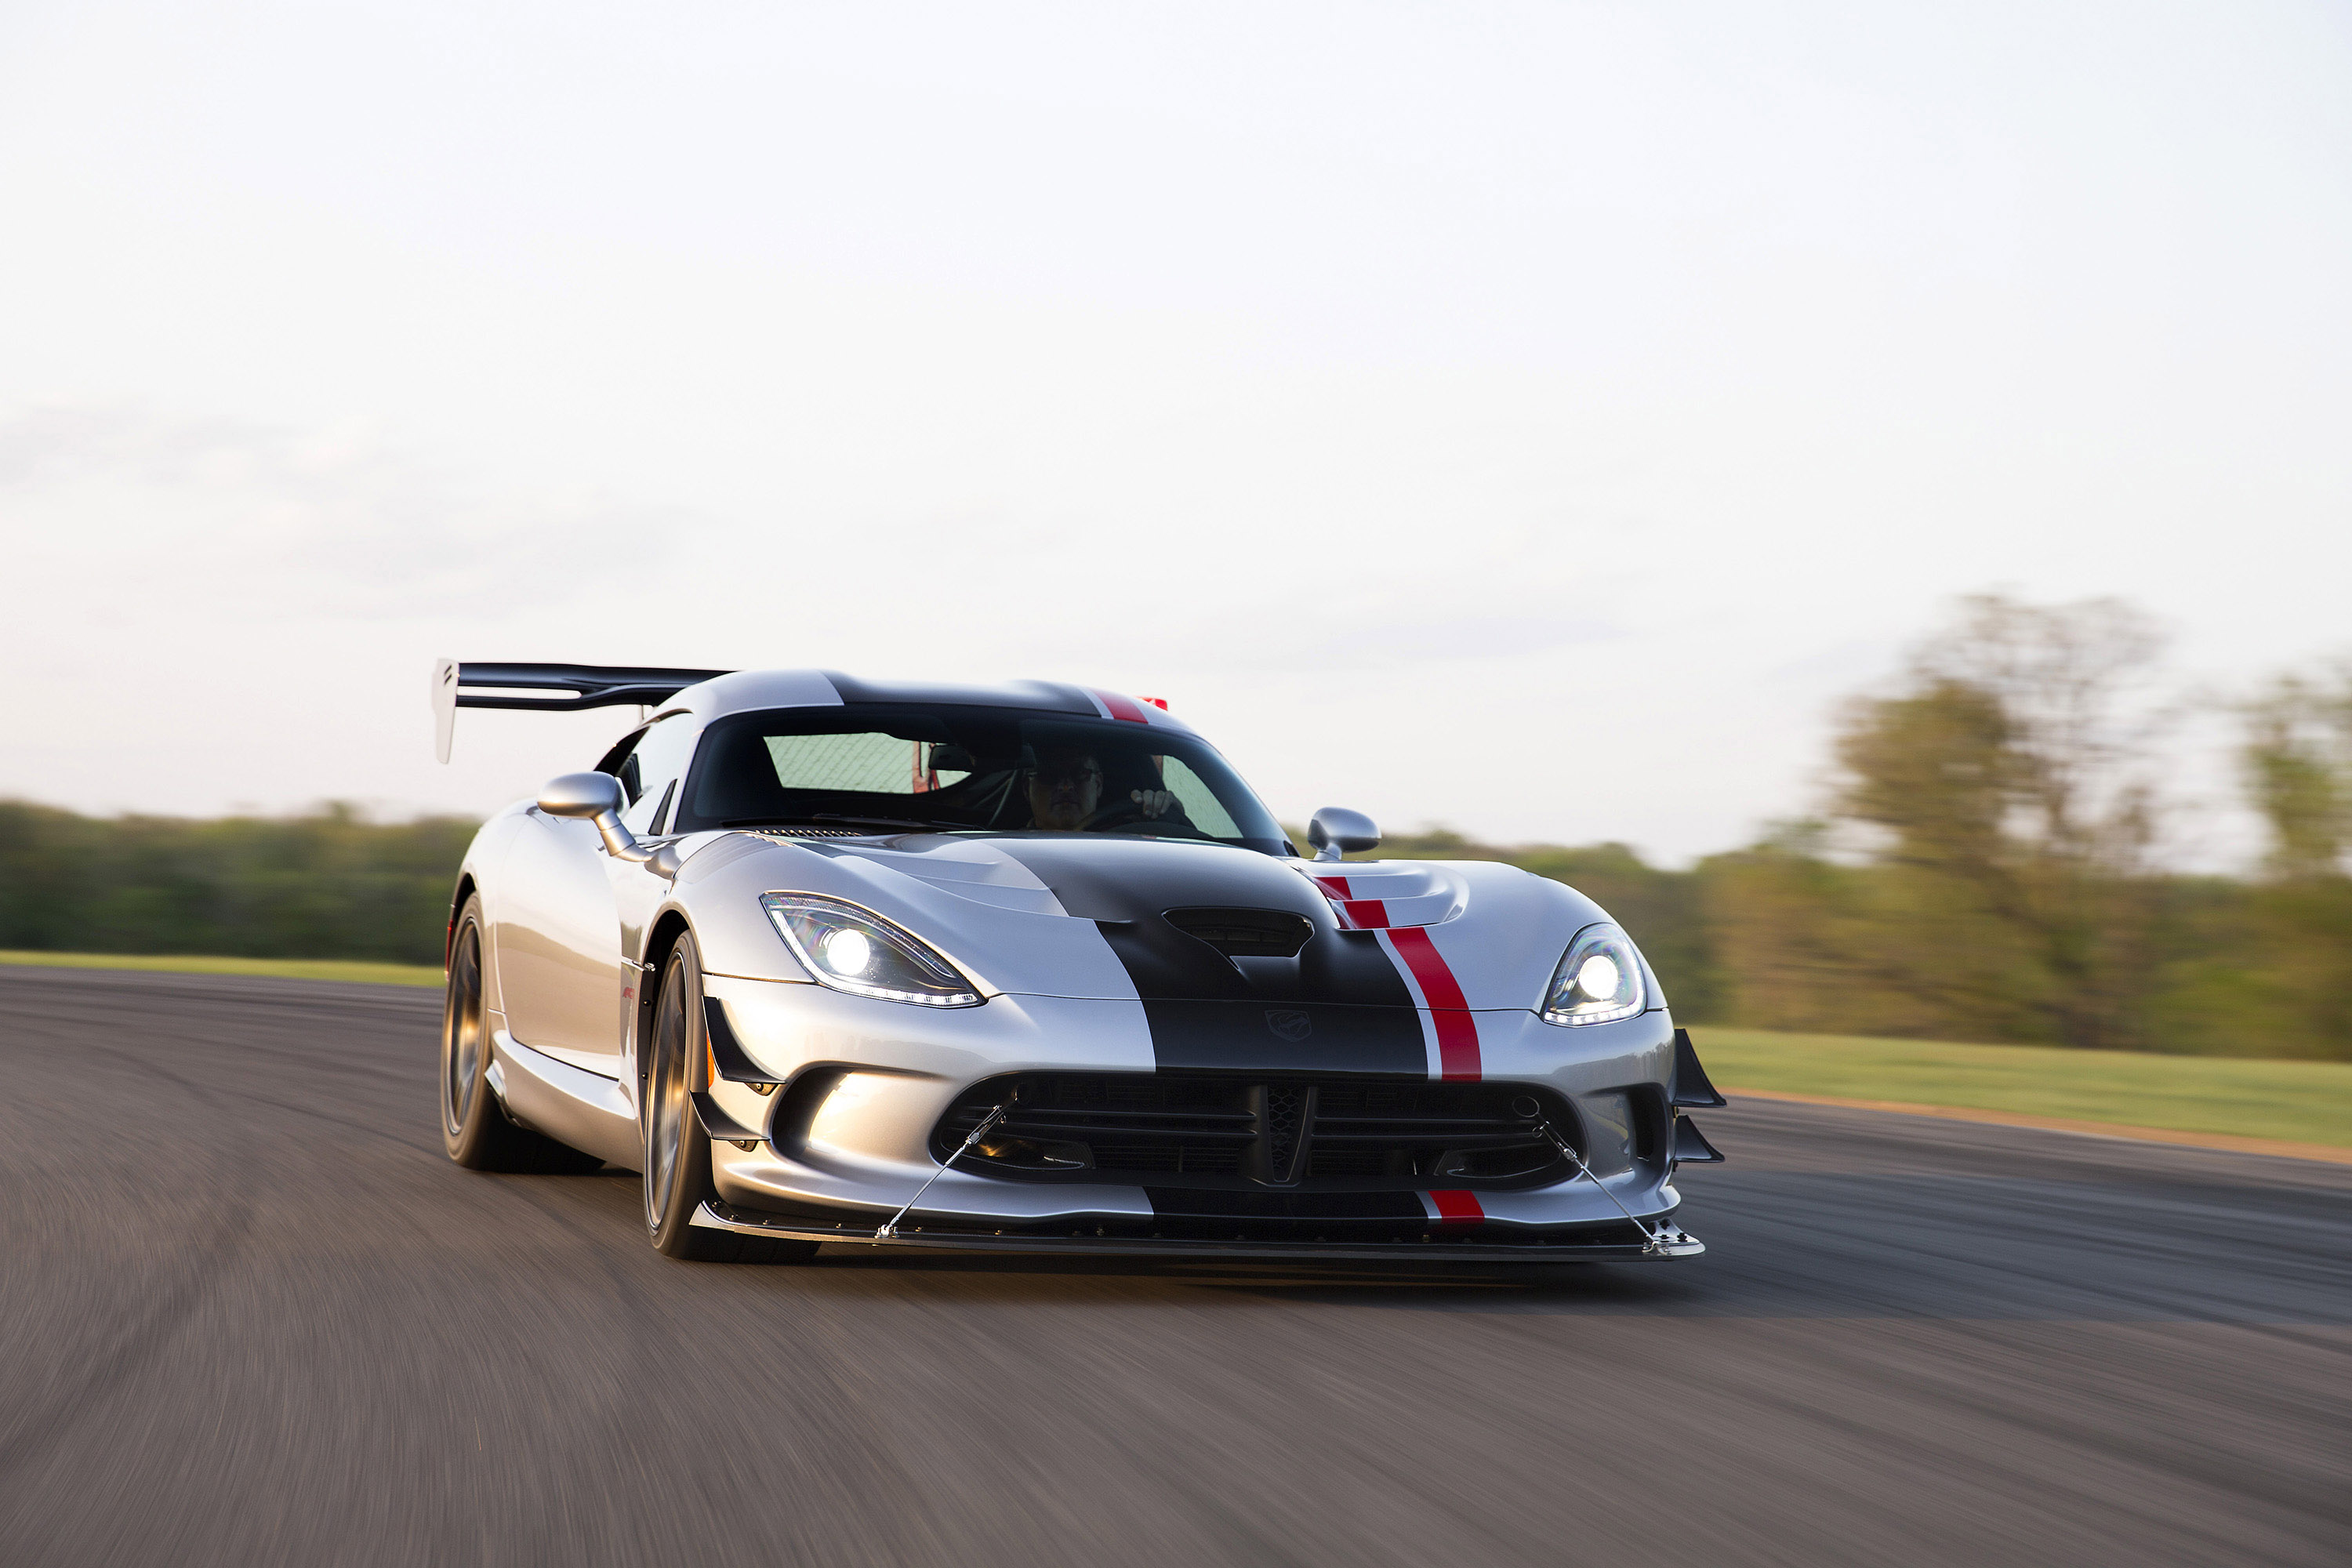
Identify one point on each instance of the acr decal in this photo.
(1454, 1207)
(1454, 1026)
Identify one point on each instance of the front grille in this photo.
(1166, 1157)
(1283, 1120)
(1239, 1134)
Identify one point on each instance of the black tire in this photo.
(475, 1128)
(677, 1151)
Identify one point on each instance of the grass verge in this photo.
(198, 964)
(2296, 1102)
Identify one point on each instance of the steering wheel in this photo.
(1127, 817)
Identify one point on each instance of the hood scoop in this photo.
(1245, 933)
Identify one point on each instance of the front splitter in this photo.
(1674, 1242)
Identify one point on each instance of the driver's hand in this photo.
(1154, 802)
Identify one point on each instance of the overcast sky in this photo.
(1527, 417)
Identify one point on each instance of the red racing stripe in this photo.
(1457, 1207)
(1355, 914)
(1449, 1010)
(1119, 707)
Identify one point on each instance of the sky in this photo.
(1533, 418)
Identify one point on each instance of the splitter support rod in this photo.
(1652, 1239)
(889, 1229)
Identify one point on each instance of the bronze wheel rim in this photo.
(462, 1031)
(665, 1108)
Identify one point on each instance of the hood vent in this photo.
(1245, 933)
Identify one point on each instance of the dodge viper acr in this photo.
(1031, 968)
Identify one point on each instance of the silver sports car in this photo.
(1030, 968)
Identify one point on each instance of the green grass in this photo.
(281, 968)
(2298, 1102)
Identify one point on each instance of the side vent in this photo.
(1245, 933)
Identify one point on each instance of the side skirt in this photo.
(585, 1109)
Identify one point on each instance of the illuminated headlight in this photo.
(850, 949)
(1599, 982)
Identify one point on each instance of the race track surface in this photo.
(249, 1314)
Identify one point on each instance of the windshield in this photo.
(888, 764)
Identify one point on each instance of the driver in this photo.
(1066, 793)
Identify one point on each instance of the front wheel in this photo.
(677, 1151)
(475, 1129)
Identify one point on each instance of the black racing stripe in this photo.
(1173, 1203)
(1040, 696)
(1340, 1005)
(1316, 1038)
(1081, 700)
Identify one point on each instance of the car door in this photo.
(559, 942)
(563, 967)
(651, 777)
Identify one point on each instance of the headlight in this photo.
(850, 949)
(1599, 982)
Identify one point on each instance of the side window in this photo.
(649, 774)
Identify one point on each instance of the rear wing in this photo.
(547, 688)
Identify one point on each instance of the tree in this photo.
(326, 885)
(2297, 760)
(2007, 790)
(2293, 969)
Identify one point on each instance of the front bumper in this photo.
(1597, 1244)
(847, 1139)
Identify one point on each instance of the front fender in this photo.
(717, 893)
(973, 923)
(482, 862)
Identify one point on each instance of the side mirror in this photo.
(582, 795)
(1335, 832)
(598, 798)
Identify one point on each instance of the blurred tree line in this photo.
(329, 885)
(1987, 864)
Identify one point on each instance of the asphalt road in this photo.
(249, 1314)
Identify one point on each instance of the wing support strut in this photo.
(548, 689)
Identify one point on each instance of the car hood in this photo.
(1086, 915)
